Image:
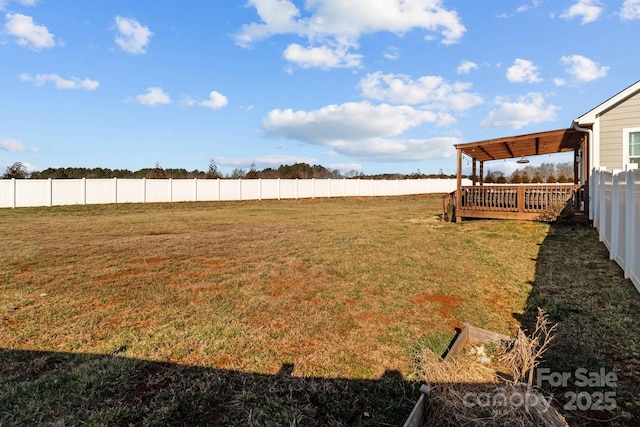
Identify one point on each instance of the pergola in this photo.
(518, 201)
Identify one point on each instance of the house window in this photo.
(631, 146)
(634, 147)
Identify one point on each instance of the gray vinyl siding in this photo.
(624, 115)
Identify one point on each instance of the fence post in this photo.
(144, 190)
(344, 187)
(279, 193)
(115, 190)
(631, 225)
(219, 188)
(260, 189)
(296, 188)
(195, 189)
(50, 189)
(240, 189)
(14, 198)
(615, 217)
(602, 208)
(84, 191)
(329, 187)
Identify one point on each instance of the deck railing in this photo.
(514, 201)
(527, 198)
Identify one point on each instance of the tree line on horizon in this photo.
(297, 170)
(546, 172)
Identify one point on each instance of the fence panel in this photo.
(305, 188)
(321, 188)
(251, 189)
(151, 191)
(22, 193)
(270, 189)
(615, 202)
(32, 193)
(183, 190)
(352, 187)
(288, 188)
(618, 219)
(134, 190)
(606, 200)
(632, 270)
(7, 194)
(208, 190)
(67, 192)
(230, 189)
(100, 191)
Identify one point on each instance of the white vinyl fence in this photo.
(16, 193)
(615, 211)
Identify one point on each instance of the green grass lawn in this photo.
(305, 312)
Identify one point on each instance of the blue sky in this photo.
(368, 85)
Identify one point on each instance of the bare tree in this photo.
(157, 172)
(212, 172)
(16, 170)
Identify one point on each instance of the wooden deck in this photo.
(521, 201)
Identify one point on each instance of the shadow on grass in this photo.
(597, 312)
(51, 388)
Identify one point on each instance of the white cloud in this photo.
(630, 10)
(526, 7)
(322, 57)
(588, 10)
(333, 27)
(4, 3)
(392, 53)
(132, 37)
(559, 81)
(28, 33)
(583, 69)
(523, 70)
(345, 167)
(154, 96)
(430, 91)
(361, 130)
(188, 101)
(216, 101)
(10, 144)
(264, 161)
(526, 110)
(59, 82)
(465, 67)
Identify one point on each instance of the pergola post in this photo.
(586, 158)
(481, 173)
(459, 184)
(474, 177)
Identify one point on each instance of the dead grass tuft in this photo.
(466, 392)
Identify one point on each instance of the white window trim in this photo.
(625, 142)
